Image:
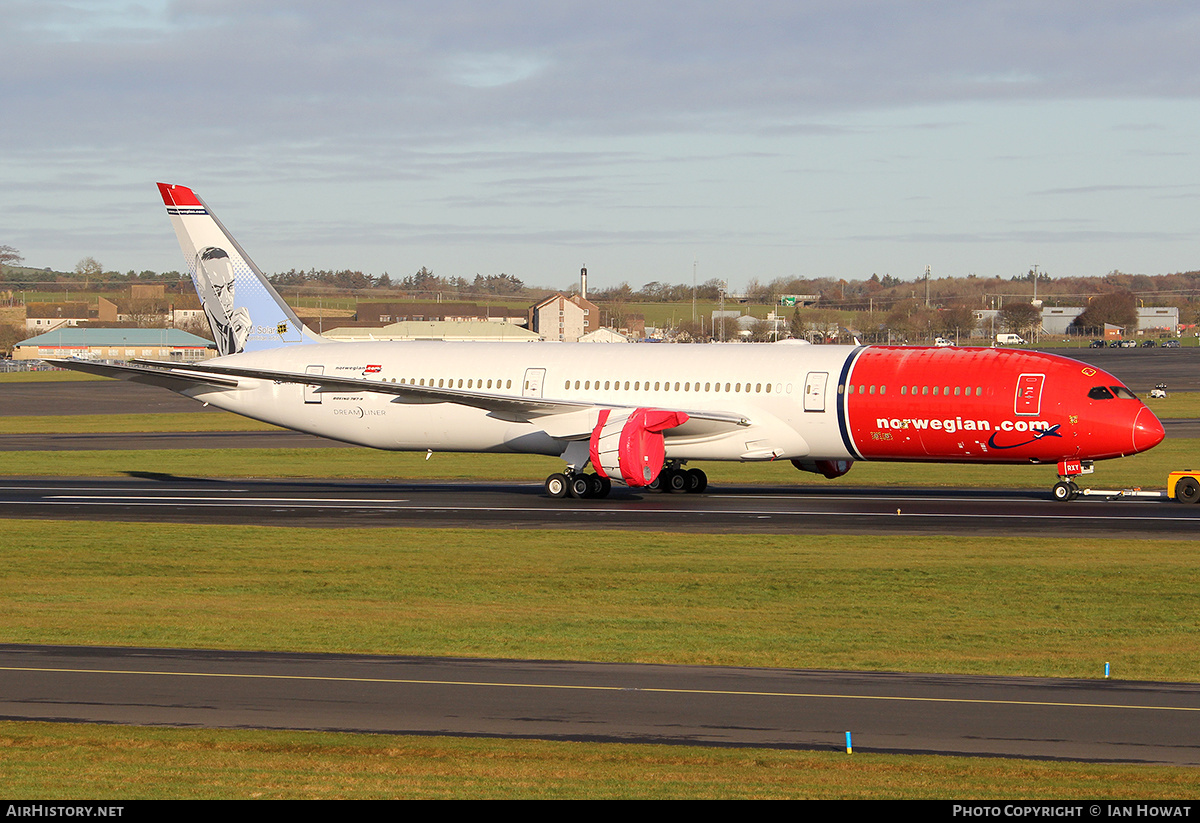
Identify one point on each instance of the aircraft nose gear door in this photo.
(533, 383)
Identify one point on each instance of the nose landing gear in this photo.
(1065, 489)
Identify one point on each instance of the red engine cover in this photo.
(628, 446)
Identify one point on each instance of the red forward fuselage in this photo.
(988, 405)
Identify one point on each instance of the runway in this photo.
(558, 700)
(743, 510)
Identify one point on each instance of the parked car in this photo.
(1170, 344)
(1096, 344)
(1129, 344)
(1148, 344)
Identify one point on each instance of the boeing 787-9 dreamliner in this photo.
(636, 413)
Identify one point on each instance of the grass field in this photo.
(929, 604)
(75, 762)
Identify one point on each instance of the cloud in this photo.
(656, 122)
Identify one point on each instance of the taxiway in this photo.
(746, 509)
(562, 700)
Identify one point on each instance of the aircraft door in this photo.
(1029, 394)
(532, 387)
(814, 391)
(311, 395)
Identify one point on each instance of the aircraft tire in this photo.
(675, 481)
(697, 481)
(1187, 490)
(1062, 491)
(579, 486)
(605, 486)
(556, 485)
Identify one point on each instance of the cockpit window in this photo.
(1110, 392)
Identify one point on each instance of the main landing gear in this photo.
(1066, 489)
(578, 485)
(584, 486)
(674, 478)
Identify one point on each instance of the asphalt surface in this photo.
(106, 441)
(92, 397)
(1142, 369)
(559, 700)
(741, 510)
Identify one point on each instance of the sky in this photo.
(647, 141)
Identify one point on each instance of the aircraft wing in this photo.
(176, 378)
(574, 415)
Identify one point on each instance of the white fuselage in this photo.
(766, 384)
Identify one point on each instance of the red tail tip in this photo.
(177, 195)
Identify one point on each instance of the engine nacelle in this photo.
(829, 468)
(629, 446)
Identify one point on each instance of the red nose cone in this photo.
(1147, 430)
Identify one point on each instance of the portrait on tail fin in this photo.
(216, 284)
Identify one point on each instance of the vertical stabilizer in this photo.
(243, 309)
